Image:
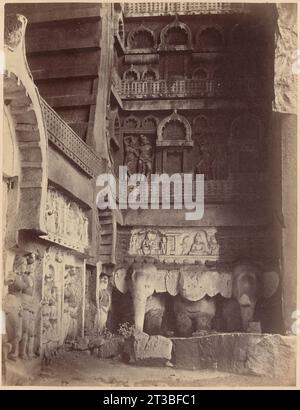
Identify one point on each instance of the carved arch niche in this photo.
(141, 38)
(176, 36)
(246, 144)
(131, 123)
(23, 108)
(174, 138)
(210, 38)
(131, 74)
(150, 74)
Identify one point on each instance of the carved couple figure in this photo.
(138, 155)
(20, 308)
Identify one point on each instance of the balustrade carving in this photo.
(159, 8)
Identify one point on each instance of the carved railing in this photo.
(243, 190)
(64, 138)
(246, 87)
(159, 8)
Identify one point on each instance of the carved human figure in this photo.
(131, 154)
(204, 165)
(104, 303)
(71, 304)
(29, 310)
(52, 211)
(154, 243)
(186, 245)
(73, 322)
(13, 305)
(85, 230)
(68, 295)
(146, 156)
(219, 166)
(200, 244)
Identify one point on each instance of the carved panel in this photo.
(197, 245)
(72, 302)
(210, 135)
(139, 154)
(62, 299)
(156, 243)
(66, 222)
(52, 301)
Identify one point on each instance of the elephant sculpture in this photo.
(194, 310)
(193, 292)
(201, 297)
(141, 280)
(193, 317)
(249, 285)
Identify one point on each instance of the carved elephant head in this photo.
(141, 280)
(248, 285)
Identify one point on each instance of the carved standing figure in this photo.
(131, 155)
(204, 165)
(13, 305)
(219, 167)
(29, 310)
(104, 303)
(146, 156)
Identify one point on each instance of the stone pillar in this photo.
(284, 131)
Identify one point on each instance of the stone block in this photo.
(111, 348)
(242, 353)
(148, 350)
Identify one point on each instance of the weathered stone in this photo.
(82, 344)
(242, 353)
(148, 350)
(286, 70)
(111, 348)
(96, 342)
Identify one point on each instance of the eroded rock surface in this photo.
(144, 349)
(242, 353)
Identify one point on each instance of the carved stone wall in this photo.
(67, 224)
(62, 299)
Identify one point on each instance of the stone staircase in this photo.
(107, 236)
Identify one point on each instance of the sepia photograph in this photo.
(149, 195)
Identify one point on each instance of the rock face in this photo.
(148, 350)
(242, 353)
(285, 80)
